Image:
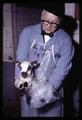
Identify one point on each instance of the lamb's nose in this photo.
(24, 74)
(25, 84)
(21, 85)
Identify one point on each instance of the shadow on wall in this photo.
(11, 103)
(71, 83)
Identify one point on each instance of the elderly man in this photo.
(47, 43)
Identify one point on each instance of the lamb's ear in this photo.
(35, 64)
(18, 63)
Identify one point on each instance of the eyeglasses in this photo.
(51, 23)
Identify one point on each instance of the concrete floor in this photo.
(11, 109)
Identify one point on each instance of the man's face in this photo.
(50, 21)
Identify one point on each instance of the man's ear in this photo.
(42, 14)
(35, 64)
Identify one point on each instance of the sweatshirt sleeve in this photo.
(22, 49)
(64, 63)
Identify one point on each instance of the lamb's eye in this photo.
(29, 68)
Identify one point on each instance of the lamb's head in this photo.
(27, 74)
(27, 68)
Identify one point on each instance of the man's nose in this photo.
(24, 74)
(49, 25)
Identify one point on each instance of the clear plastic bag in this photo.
(41, 94)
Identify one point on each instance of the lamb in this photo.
(38, 92)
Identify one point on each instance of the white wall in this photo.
(70, 10)
(8, 53)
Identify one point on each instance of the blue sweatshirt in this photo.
(56, 62)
